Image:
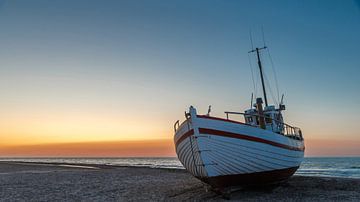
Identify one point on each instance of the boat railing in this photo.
(281, 127)
(176, 125)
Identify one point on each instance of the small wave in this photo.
(355, 167)
(143, 164)
(78, 166)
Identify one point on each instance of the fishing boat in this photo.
(224, 152)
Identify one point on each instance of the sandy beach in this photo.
(57, 182)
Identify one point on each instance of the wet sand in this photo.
(57, 182)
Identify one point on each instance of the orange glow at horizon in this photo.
(40, 128)
(155, 148)
(326, 147)
(147, 148)
(96, 134)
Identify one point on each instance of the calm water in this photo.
(348, 167)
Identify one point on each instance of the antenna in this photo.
(252, 45)
(281, 105)
(263, 35)
(209, 110)
(251, 102)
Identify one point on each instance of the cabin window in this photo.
(250, 119)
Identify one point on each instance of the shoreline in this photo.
(89, 165)
(105, 166)
(57, 181)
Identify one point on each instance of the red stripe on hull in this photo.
(237, 136)
(184, 136)
(250, 179)
(246, 137)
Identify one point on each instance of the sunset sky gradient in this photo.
(109, 78)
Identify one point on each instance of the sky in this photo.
(110, 78)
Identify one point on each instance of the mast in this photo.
(261, 72)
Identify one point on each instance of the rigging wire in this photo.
(271, 92)
(252, 73)
(252, 45)
(263, 36)
(275, 77)
(272, 66)
(269, 86)
(257, 82)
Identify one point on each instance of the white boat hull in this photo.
(226, 153)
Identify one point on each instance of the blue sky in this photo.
(150, 60)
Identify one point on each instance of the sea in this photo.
(346, 167)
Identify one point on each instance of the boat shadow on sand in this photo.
(249, 191)
(295, 188)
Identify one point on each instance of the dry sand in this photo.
(53, 182)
